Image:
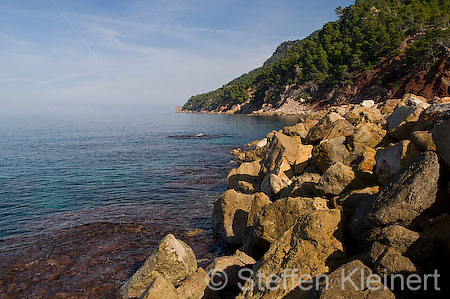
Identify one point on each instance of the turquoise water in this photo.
(60, 173)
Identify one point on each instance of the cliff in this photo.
(377, 50)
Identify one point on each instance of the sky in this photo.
(138, 55)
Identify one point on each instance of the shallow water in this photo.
(70, 187)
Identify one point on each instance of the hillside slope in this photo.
(378, 49)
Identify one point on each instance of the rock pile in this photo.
(359, 187)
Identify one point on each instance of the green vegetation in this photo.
(365, 33)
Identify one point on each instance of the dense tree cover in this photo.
(365, 33)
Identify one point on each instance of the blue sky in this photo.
(89, 55)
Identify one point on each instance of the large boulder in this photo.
(246, 177)
(441, 137)
(402, 200)
(335, 179)
(282, 153)
(230, 266)
(388, 106)
(402, 121)
(368, 134)
(386, 260)
(410, 99)
(423, 140)
(303, 158)
(357, 287)
(232, 212)
(431, 115)
(362, 159)
(328, 152)
(302, 186)
(313, 246)
(327, 126)
(276, 218)
(273, 184)
(418, 247)
(361, 115)
(194, 287)
(297, 130)
(160, 288)
(350, 200)
(172, 259)
(391, 159)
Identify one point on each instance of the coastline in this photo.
(298, 200)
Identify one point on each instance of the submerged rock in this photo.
(173, 259)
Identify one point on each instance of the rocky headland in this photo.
(350, 189)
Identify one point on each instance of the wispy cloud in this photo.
(136, 53)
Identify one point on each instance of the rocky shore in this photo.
(351, 189)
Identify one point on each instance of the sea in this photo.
(84, 200)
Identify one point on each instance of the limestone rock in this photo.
(276, 218)
(418, 247)
(248, 172)
(441, 137)
(323, 128)
(273, 184)
(194, 287)
(391, 159)
(368, 134)
(160, 288)
(312, 246)
(173, 259)
(390, 261)
(335, 179)
(431, 115)
(281, 149)
(262, 143)
(423, 140)
(402, 121)
(231, 214)
(361, 115)
(388, 106)
(297, 130)
(303, 185)
(303, 158)
(362, 159)
(410, 99)
(367, 103)
(230, 265)
(339, 128)
(345, 289)
(328, 152)
(403, 199)
(350, 200)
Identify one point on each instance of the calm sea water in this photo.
(56, 174)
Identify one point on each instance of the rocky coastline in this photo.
(360, 188)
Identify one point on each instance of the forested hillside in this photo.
(374, 42)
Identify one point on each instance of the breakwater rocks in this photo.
(352, 189)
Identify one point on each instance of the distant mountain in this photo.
(378, 49)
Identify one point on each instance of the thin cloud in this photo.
(94, 56)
